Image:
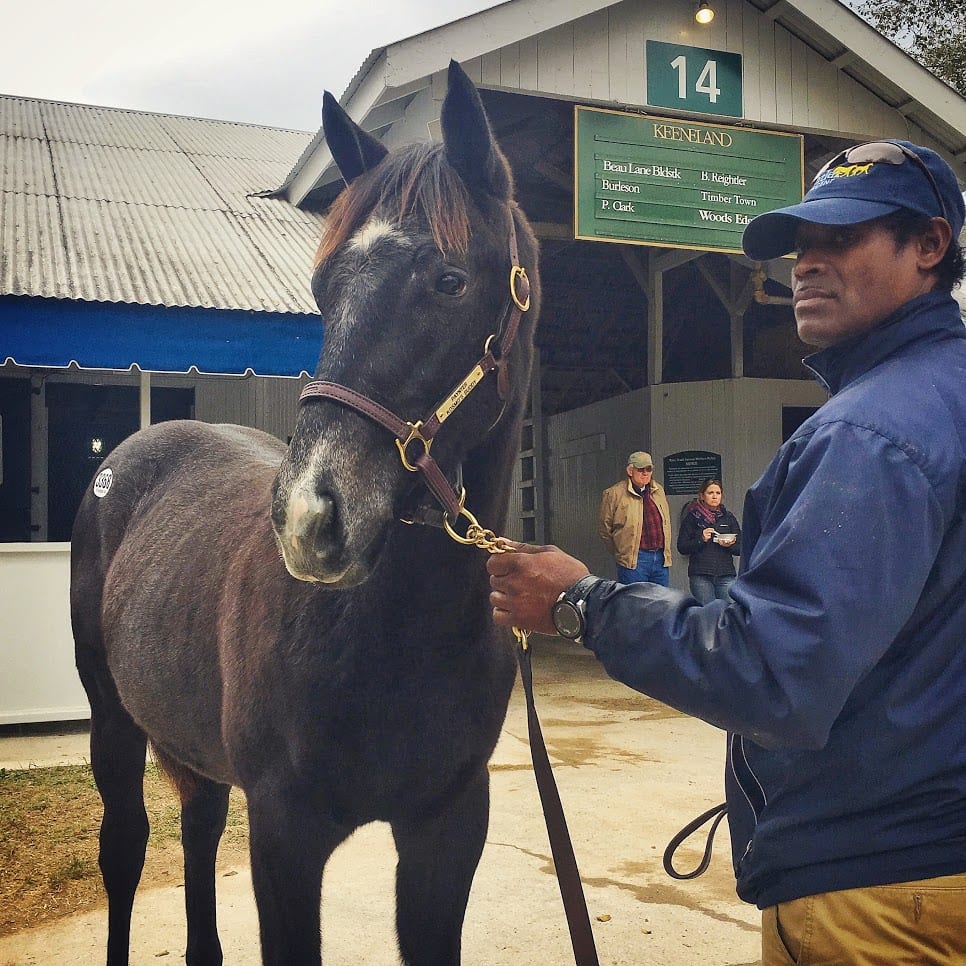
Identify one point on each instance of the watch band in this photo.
(577, 592)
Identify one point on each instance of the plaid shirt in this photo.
(652, 532)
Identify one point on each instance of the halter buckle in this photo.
(403, 445)
(519, 274)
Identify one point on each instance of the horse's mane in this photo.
(416, 180)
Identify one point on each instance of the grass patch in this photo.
(49, 824)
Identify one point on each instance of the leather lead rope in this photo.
(717, 813)
(565, 863)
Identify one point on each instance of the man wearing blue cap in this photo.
(839, 666)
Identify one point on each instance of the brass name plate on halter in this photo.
(453, 400)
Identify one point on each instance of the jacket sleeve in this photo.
(818, 602)
(605, 519)
(689, 536)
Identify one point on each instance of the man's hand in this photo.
(525, 583)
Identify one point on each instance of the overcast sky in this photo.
(239, 60)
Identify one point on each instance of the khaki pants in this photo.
(907, 924)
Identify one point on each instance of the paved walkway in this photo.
(630, 772)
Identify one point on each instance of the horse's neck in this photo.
(488, 476)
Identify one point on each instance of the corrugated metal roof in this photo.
(104, 204)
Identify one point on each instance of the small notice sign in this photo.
(685, 472)
(679, 184)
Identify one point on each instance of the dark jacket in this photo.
(709, 559)
(840, 665)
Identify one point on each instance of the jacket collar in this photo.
(934, 314)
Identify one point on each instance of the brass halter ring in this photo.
(473, 527)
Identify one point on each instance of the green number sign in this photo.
(679, 184)
(693, 79)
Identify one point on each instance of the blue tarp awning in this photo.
(53, 333)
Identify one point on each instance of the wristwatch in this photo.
(567, 612)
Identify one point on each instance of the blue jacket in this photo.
(840, 666)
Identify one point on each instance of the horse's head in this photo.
(413, 282)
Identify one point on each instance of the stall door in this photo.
(84, 423)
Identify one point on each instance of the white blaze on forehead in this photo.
(373, 231)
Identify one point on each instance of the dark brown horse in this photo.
(265, 620)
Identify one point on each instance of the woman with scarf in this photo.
(711, 537)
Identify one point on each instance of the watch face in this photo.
(567, 619)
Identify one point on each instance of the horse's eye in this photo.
(451, 283)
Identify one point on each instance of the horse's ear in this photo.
(470, 146)
(353, 150)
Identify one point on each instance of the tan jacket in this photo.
(621, 520)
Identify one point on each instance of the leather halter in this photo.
(495, 357)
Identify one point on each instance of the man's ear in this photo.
(933, 242)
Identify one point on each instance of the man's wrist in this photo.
(568, 612)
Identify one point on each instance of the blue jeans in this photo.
(650, 569)
(706, 589)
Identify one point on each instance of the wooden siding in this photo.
(600, 58)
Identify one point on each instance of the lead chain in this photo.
(487, 540)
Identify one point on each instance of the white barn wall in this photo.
(586, 449)
(601, 57)
(39, 681)
(586, 452)
(739, 418)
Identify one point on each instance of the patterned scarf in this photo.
(706, 515)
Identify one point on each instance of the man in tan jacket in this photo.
(635, 524)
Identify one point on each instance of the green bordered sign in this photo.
(678, 184)
(693, 79)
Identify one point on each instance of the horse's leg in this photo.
(290, 844)
(118, 748)
(438, 857)
(204, 807)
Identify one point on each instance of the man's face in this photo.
(848, 278)
(640, 477)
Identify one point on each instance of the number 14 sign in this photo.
(693, 79)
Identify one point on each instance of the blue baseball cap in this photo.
(861, 183)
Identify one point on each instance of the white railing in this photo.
(38, 679)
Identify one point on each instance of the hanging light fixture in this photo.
(704, 13)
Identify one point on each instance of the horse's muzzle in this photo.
(307, 530)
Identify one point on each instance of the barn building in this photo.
(142, 278)
(656, 332)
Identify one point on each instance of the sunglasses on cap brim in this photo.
(885, 152)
